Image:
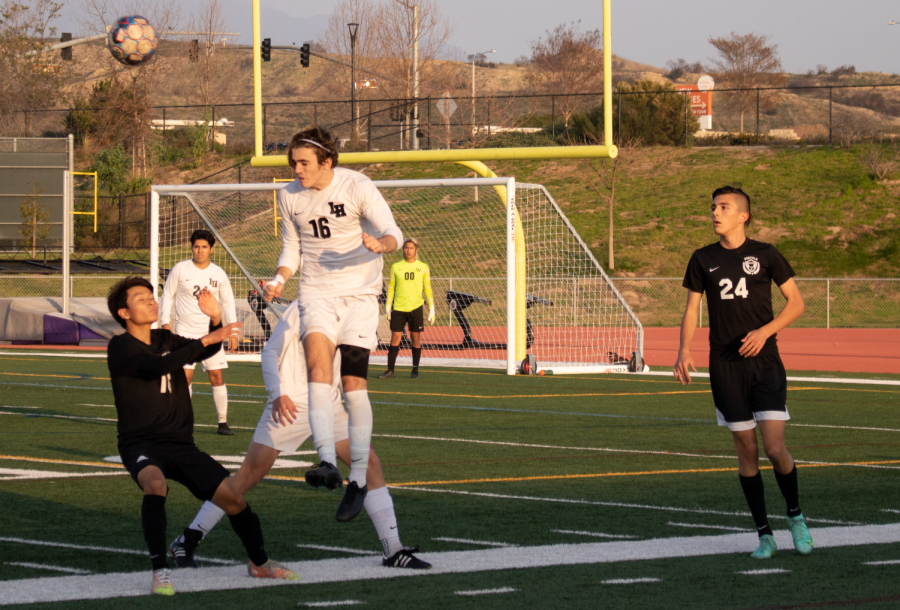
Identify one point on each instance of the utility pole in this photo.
(354, 133)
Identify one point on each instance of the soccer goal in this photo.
(515, 286)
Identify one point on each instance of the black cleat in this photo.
(224, 430)
(404, 558)
(182, 556)
(326, 475)
(414, 374)
(351, 503)
(388, 374)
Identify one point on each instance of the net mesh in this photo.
(575, 315)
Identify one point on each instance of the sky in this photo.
(807, 32)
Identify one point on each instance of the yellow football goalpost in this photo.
(470, 158)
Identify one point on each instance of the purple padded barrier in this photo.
(60, 330)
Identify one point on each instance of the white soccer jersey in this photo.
(326, 228)
(184, 283)
(284, 362)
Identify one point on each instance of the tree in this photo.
(31, 76)
(567, 63)
(35, 215)
(746, 61)
(202, 80)
(680, 67)
(603, 182)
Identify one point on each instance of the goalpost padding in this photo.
(576, 319)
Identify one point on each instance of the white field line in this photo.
(848, 380)
(70, 355)
(103, 406)
(889, 562)
(764, 572)
(134, 584)
(710, 527)
(890, 510)
(346, 602)
(844, 427)
(338, 549)
(249, 402)
(18, 407)
(628, 581)
(86, 418)
(697, 511)
(476, 542)
(594, 534)
(52, 461)
(18, 474)
(44, 566)
(487, 591)
(102, 549)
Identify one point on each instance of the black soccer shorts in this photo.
(748, 390)
(415, 319)
(180, 462)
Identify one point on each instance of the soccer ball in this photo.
(132, 40)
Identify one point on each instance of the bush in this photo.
(655, 117)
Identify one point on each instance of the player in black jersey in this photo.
(156, 424)
(748, 380)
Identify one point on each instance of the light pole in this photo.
(354, 132)
(473, 86)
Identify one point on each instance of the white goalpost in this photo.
(512, 280)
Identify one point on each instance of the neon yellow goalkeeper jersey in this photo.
(408, 281)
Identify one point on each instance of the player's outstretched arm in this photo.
(793, 309)
(685, 362)
(210, 307)
(383, 245)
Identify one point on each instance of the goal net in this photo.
(497, 298)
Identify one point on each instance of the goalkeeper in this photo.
(409, 278)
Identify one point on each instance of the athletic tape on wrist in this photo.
(278, 279)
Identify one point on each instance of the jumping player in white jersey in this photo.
(185, 281)
(283, 428)
(341, 225)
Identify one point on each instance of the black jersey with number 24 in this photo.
(738, 292)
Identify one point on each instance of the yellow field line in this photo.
(23, 458)
(53, 376)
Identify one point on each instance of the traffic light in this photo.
(195, 50)
(304, 55)
(267, 49)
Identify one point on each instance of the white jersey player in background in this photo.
(282, 429)
(341, 225)
(183, 284)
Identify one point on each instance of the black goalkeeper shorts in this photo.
(748, 390)
(415, 319)
(181, 462)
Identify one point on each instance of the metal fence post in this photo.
(687, 109)
(165, 136)
(620, 118)
(757, 117)
(240, 207)
(553, 115)
(830, 123)
(828, 303)
(429, 123)
(700, 314)
(264, 128)
(212, 132)
(121, 221)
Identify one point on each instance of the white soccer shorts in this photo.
(344, 320)
(216, 362)
(288, 438)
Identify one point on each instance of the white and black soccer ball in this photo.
(132, 40)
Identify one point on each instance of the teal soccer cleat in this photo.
(766, 548)
(803, 542)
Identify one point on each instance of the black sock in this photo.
(417, 355)
(392, 356)
(191, 539)
(788, 485)
(246, 526)
(153, 520)
(756, 500)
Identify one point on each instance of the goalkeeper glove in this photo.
(387, 314)
(431, 315)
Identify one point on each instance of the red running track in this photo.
(847, 350)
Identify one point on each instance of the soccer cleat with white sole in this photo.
(803, 541)
(161, 584)
(766, 549)
(404, 558)
(271, 569)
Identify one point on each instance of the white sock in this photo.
(359, 410)
(220, 398)
(321, 421)
(380, 507)
(207, 517)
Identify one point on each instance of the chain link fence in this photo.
(658, 302)
(801, 112)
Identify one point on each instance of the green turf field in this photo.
(486, 471)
